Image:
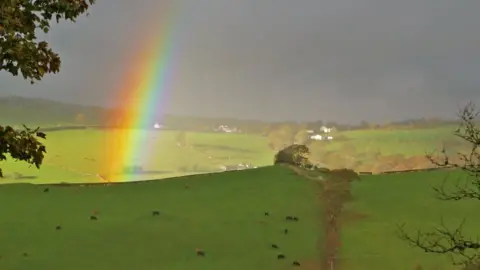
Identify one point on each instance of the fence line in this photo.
(407, 171)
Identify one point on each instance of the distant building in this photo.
(227, 129)
(318, 137)
(157, 126)
(325, 129)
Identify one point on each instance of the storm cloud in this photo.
(342, 60)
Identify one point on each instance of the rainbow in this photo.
(141, 98)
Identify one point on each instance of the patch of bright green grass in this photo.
(231, 148)
(407, 142)
(388, 200)
(75, 155)
(219, 213)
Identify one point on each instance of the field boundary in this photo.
(291, 167)
(407, 171)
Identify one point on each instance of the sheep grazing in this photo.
(280, 256)
(267, 214)
(58, 227)
(200, 252)
(46, 190)
(296, 263)
(93, 218)
(155, 213)
(274, 246)
(289, 218)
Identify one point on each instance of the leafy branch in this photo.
(20, 52)
(22, 145)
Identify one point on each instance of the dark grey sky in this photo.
(343, 60)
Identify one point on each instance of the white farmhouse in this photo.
(325, 129)
(227, 129)
(319, 137)
(157, 126)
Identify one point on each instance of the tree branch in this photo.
(442, 240)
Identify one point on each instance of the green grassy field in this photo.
(388, 200)
(219, 213)
(195, 218)
(77, 155)
(408, 142)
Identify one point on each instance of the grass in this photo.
(233, 148)
(78, 155)
(388, 200)
(219, 213)
(388, 142)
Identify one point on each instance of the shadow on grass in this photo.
(22, 177)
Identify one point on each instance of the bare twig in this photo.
(442, 240)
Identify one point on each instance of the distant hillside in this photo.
(47, 113)
(34, 111)
(16, 111)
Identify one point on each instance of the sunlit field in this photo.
(408, 142)
(79, 155)
(221, 214)
(191, 217)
